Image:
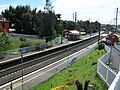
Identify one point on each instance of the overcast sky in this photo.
(102, 10)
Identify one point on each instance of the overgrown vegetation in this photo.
(22, 42)
(101, 46)
(5, 42)
(83, 70)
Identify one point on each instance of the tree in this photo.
(21, 17)
(5, 42)
(108, 28)
(58, 25)
(49, 26)
(45, 25)
(89, 27)
(71, 25)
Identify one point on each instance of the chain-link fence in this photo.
(16, 52)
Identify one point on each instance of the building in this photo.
(71, 34)
(4, 24)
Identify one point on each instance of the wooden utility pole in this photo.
(22, 70)
(75, 16)
(112, 32)
(116, 19)
(99, 29)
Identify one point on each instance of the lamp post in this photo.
(11, 86)
(99, 28)
(68, 52)
(22, 69)
(59, 22)
(61, 35)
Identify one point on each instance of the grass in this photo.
(82, 70)
(16, 42)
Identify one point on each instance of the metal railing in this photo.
(104, 71)
(17, 52)
(117, 46)
(23, 36)
(116, 83)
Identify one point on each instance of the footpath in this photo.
(115, 60)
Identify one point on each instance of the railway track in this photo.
(37, 61)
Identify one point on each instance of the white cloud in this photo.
(3, 7)
(94, 9)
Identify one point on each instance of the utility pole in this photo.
(22, 69)
(112, 33)
(116, 18)
(99, 29)
(75, 16)
(90, 27)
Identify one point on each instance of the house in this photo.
(71, 34)
(4, 24)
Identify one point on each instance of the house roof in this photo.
(75, 32)
(4, 21)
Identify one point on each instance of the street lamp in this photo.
(22, 69)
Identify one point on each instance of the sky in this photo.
(93, 10)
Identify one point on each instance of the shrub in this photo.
(5, 42)
(25, 44)
(22, 39)
(101, 46)
(2, 55)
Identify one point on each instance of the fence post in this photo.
(107, 73)
(98, 66)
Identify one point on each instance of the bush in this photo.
(101, 46)
(2, 55)
(25, 44)
(22, 39)
(5, 42)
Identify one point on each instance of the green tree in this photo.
(109, 27)
(59, 25)
(21, 17)
(49, 26)
(71, 25)
(45, 25)
(5, 42)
